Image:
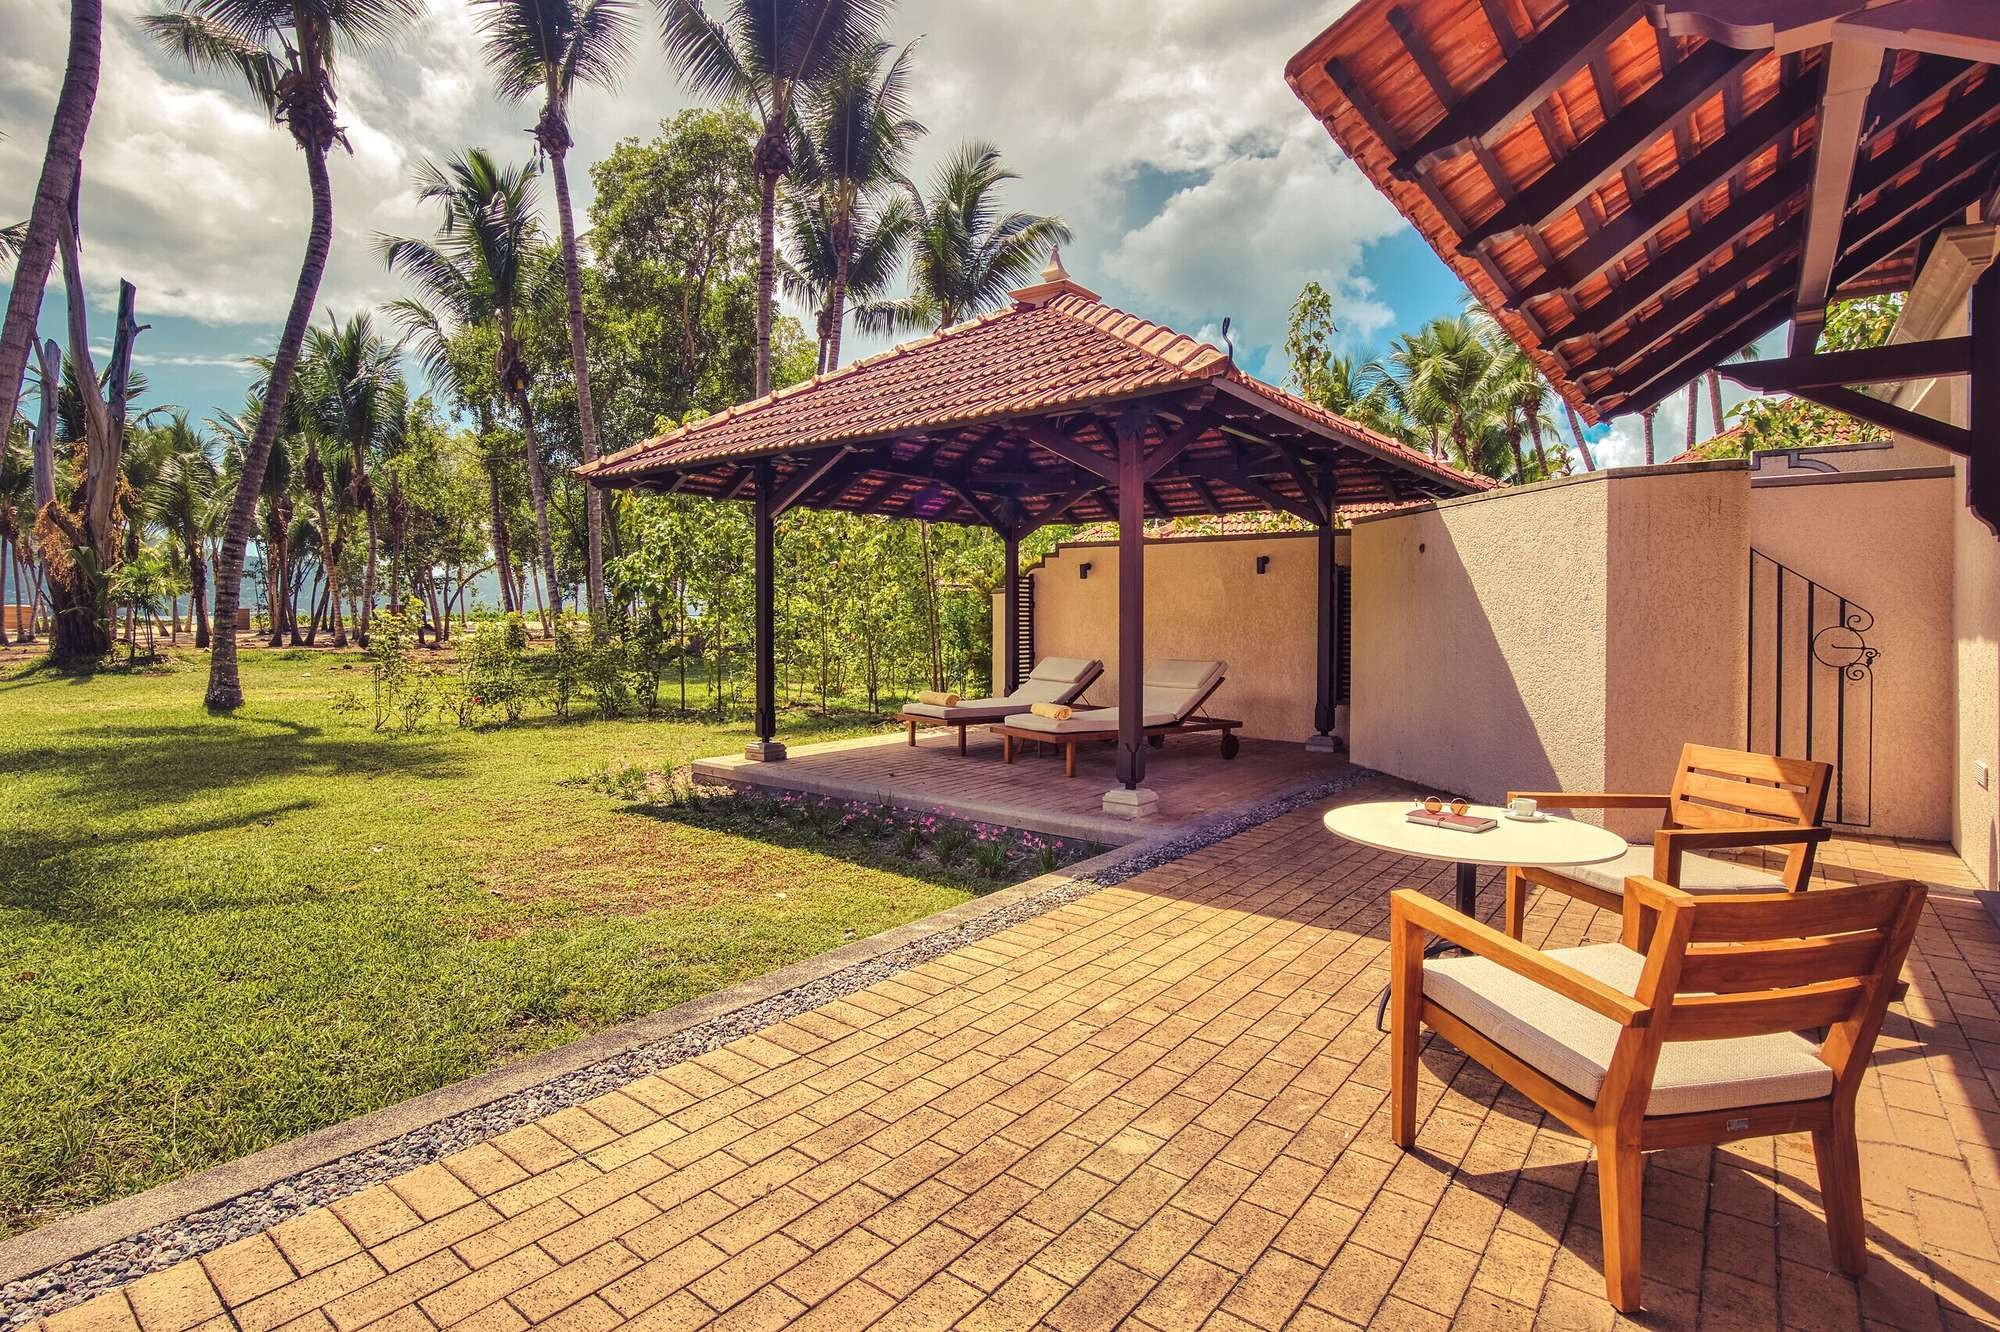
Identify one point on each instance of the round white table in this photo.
(1545, 841)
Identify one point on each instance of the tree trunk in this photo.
(503, 562)
(6, 633)
(225, 686)
(1647, 416)
(197, 591)
(368, 577)
(767, 261)
(1535, 434)
(836, 300)
(1694, 410)
(1715, 398)
(586, 413)
(538, 490)
(62, 165)
(1582, 446)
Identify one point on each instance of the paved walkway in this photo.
(1160, 1107)
(1189, 774)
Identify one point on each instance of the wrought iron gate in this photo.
(1811, 687)
(1024, 642)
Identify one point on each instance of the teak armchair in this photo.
(1721, 799)
(1692, 1042)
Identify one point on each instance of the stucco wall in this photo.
(1204, 599)
(1886, 545)
(1569, 635)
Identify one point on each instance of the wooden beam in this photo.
(1889, 364)
(1070, 450)
(1880, 228)
(764, 617)
(1759, 293)
(793, 488)
(1672, 196)
(1607, 151)
(1060, 506)
(1175, 444)
(1131, 761)
(1671, 372)
(1308, 487)
(979, 507)
(1853, 71)
(1959, 117)
(1982, 470)
(1542, 64)
(1891, 417)
(1272, 497)
(1641, 336)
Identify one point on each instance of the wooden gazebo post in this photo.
(1010, 537)
(1129, 797)
(1328, 609)
(764, 748)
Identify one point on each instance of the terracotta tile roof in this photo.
(1061, 350)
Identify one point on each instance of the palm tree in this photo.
(239, 432)
(1647, 416)
(766, 53)
(881, 235)
(856, 134)
(548, 47)
(485, 264)
(1694, 411)
(285, 51)
(181, 503)
(62, 167)
(1576, 432)
(352, 384)
(966, 255)
(17, 497)
(444, 365)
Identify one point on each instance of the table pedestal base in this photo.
(1468, 906)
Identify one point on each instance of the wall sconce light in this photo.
(1263, 563)
(1083, 570)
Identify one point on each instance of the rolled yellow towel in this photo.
(937, 699)
(1053, 711)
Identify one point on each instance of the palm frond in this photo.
(212, 43)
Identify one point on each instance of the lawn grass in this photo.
(217, 934)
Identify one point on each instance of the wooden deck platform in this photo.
(1194, 782)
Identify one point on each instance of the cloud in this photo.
(1163, 133)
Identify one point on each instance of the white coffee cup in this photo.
(1522, 807)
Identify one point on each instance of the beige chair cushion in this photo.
(1699, 873)
(1571, 1044)
(1064, 670)
(1176, 687)
(1090, 719)
(1054, 680)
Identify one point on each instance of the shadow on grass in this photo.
(59, 877)
(850, 848)
(112, 770)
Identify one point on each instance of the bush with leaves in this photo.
(493, 670)
(404, 690)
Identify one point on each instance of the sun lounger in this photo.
(1054, 680)
(1172, 696)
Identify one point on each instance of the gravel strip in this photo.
(114, 1265)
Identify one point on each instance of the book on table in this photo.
(1444, 818)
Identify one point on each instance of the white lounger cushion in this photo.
(1573, 1045)
(1054, 680)
(1699, 874)
(1171, 690)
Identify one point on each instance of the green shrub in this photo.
(951, 845)
(990, 859)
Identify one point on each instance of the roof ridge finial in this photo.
(1055, 281)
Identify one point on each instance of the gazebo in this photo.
(1057, 408)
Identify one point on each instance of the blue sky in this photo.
(1164, 134)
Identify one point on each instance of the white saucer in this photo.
(1539, 816)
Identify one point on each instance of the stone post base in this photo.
(764, 751)
(1137, 804)
(1325, 744)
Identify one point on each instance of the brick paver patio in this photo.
(1160, 1107)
